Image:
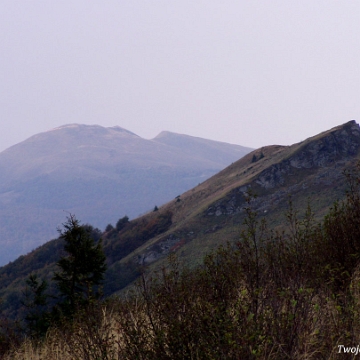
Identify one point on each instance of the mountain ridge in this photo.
(212, 213)
(94, 172)
(223, 195)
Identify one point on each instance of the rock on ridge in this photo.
(320, 151)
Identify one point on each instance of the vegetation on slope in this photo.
(290, 294)
(199, 220)
(118, 242)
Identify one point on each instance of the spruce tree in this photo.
(81, 270)
(35, 300)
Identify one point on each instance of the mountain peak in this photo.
(85, 127)
(67, 126)
(350, 127)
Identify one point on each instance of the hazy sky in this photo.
(248, 72)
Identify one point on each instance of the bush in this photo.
(293, 294)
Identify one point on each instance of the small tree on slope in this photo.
(82, 270)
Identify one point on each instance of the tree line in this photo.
(78, 280)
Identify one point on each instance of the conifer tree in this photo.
(81, 270)
(35, 300)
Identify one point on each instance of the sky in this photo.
(252, 72)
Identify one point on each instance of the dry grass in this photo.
(320, 333)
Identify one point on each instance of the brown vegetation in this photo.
(274, 295)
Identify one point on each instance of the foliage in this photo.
(291, 294)
(122, 223)
(42, 262)
(136, 233)
(269, 297)
(82, 270)
(38, 317)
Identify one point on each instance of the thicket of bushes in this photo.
(291, 294)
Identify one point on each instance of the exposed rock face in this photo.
(324, 152)
(161, 248)
(327, 150)
(323, 155)
(274, 176)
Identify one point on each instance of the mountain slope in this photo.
(97, 173)
(195, 147)
(212, 213)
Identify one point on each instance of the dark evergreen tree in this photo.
(81, 270)
(35, 300)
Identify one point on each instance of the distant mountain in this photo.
(212, 213)
(99, 174)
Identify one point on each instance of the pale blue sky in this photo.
(249, 72)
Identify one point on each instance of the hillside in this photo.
(212, 213)
(97, 173)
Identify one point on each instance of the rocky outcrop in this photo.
(322, 152)
(159, 249)
(324, 155)
(325, 151)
